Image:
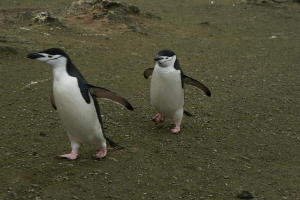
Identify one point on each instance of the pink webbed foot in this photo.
(158, 118)
(176, 129)
(102, 153)
(70, 156)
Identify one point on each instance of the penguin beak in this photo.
(34, 56)
(157, 58)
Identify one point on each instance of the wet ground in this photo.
(244, 137)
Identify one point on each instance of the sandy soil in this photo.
(244, 137)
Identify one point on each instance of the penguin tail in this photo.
(187, 113)
(114, 144)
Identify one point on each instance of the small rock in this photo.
(42, 134)
(34, 153)
(113, 159)
(43, 17)
(75, 197)
(205, 23)
(226, 177)
(245, 195)
(35, 185)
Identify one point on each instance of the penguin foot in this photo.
(158, 118)
(102, 153)
(176, 129)
(70, 156)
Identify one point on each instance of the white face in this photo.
(51, 59)
(165, 61)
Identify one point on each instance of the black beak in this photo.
(157, 58)
(34, 55)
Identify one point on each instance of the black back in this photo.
(82, 83)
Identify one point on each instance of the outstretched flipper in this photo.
(107, 94)
(148, 72)
(52, 101)
(191, 81)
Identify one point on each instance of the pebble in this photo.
(245, 195)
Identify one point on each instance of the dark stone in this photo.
(42, 134)
(245, 195)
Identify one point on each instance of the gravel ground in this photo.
(243, 138)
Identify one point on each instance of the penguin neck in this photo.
(60, 69)
(166, 69)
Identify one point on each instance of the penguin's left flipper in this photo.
(107, 94)
(52, 101)
(191, 81)
(148, 72)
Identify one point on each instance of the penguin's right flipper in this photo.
(52, 101)
(100, 92)
(148, 72)
(191, 81)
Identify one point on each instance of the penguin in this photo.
(75, 101)
(167, 88)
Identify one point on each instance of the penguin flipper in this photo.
(193, 82)
(52, 101)
(148, 72)
(100, 92)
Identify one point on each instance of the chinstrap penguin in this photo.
(167, 88)
(75, 100)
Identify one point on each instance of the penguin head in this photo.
(51, 56)
(165, 58)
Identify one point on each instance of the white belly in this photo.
(79, 118)
(166, 92)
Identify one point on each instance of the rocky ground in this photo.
(243, 138)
